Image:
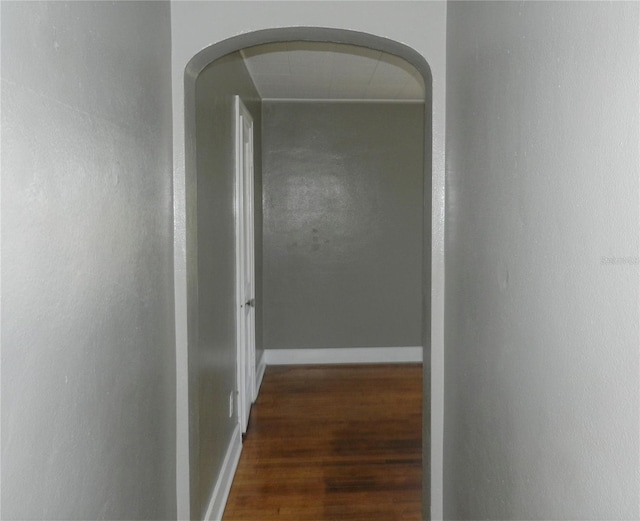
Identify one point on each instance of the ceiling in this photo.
(318, 71)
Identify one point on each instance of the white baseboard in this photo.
(262, 365)
(344, 355)
(225, 478)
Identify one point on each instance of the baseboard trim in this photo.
(262, 365)
(221, 491)
(344, 355)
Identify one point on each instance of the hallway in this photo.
(332, 442)
(118, 331)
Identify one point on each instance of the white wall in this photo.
(88, 372)
(420, 25)
(542, 349)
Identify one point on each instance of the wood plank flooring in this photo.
(340, 442)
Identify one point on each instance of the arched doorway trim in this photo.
(339, 36)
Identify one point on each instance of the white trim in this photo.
(344, 355)
(344, 100)
(238, 200)
(244, 211)
(262, 365)
(220, 494)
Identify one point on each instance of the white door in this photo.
(245, 263)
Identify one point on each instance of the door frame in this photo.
(245, 252)
(186, 241)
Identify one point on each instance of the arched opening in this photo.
(214, 368)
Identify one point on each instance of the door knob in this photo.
(250, 302)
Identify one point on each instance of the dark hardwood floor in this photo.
(340, 442)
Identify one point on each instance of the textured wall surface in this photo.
(196, 26)
(343, 224)
(542, 371)
(215, 370)
(88, 375)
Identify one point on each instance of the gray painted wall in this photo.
(542, 379)
(88, 359)
(195, 27)
(214, 368)
(343, 212)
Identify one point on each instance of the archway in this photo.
(306, 34)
